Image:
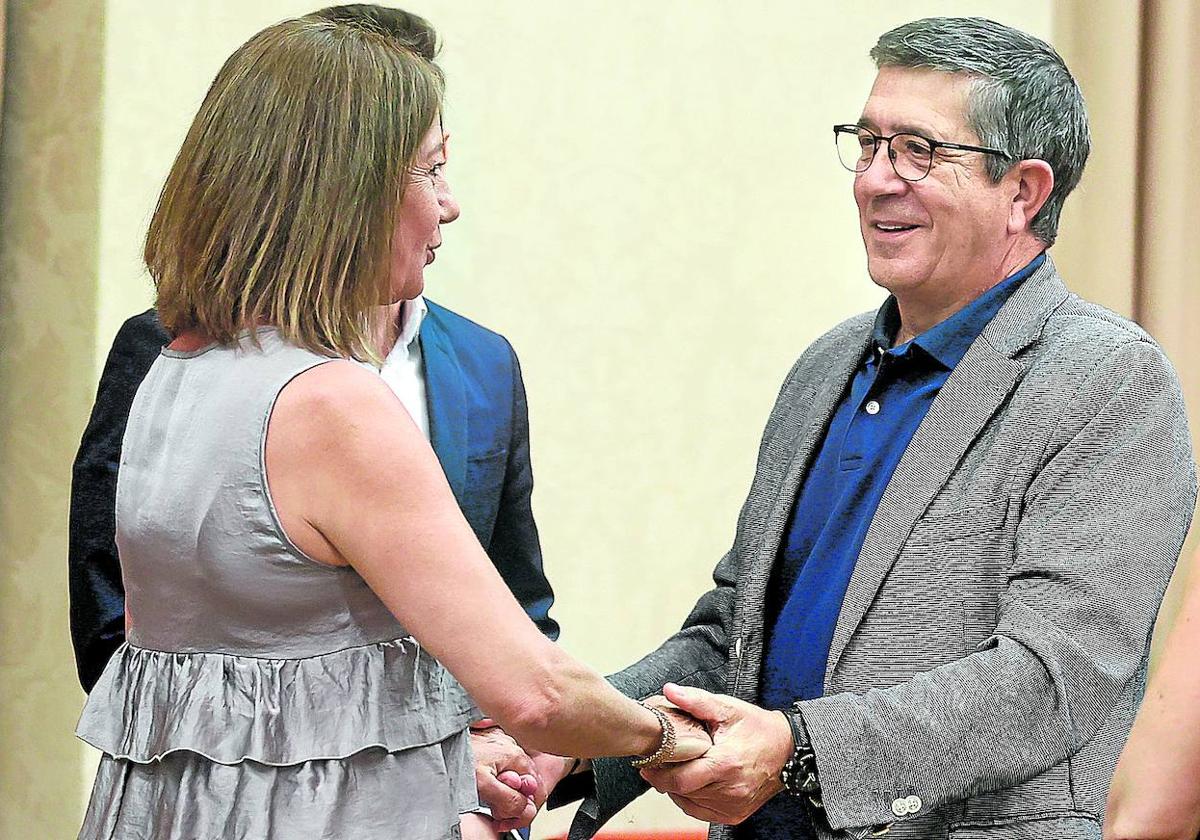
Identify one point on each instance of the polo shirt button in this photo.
(872, 407)
(914, 804)
(900, 807)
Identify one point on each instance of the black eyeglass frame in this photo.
(934, 145)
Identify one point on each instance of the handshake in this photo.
(726, 764)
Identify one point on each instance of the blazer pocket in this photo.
(1051, 825)
(937, 527)
(485, 485)
(488, 456)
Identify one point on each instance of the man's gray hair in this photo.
(1024, 102)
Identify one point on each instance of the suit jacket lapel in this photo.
(446, 395)
(979, 385)
(808, 425)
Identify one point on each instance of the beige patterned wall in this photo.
(1126, 235)
(49, 211)
(2, 11)
(652, 212)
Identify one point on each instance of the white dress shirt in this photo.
(402, 369)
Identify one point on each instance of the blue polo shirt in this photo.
(889, 396)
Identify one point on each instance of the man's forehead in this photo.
(918, 99)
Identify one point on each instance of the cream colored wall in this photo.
(1097, 237)
(653, 214)
(1125, 231)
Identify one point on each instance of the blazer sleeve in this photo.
(698, 656)
(97, 610)
(515, 548)
(1100, 528)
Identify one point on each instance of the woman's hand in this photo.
(478, 827)
(551, 769)
(692, 739)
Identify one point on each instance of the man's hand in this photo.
(741, 772)
(505, 777)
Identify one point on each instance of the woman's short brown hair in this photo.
(280, 206)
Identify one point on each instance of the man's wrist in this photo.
(799, 773)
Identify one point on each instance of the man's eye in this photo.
(917, 149)
(436, 170)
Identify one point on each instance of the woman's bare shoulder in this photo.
(335, 404)
(336, 388)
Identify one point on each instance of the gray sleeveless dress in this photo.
(260, 694)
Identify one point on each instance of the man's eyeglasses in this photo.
(911, 154)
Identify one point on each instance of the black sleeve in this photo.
(515, 548)
(94, 574)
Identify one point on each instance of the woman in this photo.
(297, 570)
(1155, 794)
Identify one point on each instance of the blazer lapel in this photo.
(446, 395)
(807, 427)
(976, 389)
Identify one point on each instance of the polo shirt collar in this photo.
(948, 341)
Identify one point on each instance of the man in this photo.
(462, 385)
(935, 615)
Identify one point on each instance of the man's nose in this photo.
(880, 178)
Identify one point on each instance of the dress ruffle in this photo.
(229, 708)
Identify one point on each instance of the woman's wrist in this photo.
(664, 750)
(648, 732)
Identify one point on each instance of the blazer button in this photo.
(914, 804)
(900, 807)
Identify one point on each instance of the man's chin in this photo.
(885, 275)
(893, 274)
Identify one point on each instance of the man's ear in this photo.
(1032, 181)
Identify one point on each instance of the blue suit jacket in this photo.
(479, 428)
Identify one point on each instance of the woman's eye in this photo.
(436, 171)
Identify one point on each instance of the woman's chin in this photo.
(412, 288)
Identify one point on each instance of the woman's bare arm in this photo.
(1155, 793)
(356, 483)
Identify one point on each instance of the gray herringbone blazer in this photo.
(992, 648)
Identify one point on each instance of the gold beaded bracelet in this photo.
(666, 747)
